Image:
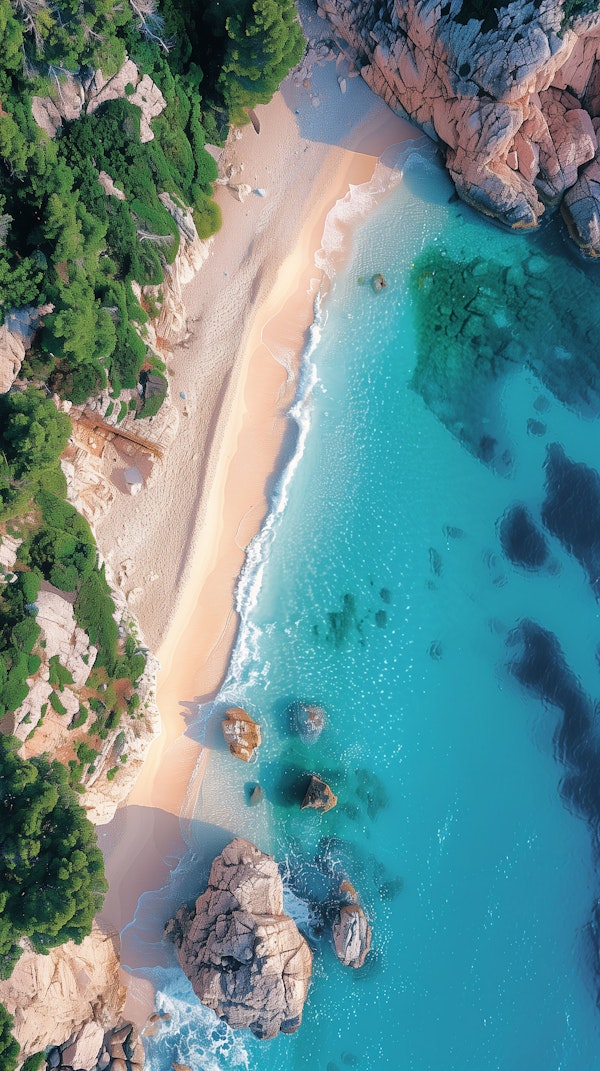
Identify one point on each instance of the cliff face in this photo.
(51, 997)
(516, 107)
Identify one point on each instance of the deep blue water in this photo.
(454, 653)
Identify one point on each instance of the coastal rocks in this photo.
(513, 99)
(242, 734)
(308, 720)
(318, 796)
(351, 935)
(84, 1050)
(244, 957)
(52, 997)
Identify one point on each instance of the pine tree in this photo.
(263, 45)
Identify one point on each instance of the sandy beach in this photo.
(249, 307)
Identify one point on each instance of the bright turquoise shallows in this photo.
(389, 597)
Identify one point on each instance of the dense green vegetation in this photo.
(9, 1049)
(51, 870)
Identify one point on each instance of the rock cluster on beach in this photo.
(514, 101)
(242, 733)
(245, 958)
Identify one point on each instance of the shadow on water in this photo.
(538, 663)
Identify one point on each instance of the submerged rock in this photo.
(522, 541)
(245, 958)
(242, 733)
(308, 720)
(318, 795)
(351, 935)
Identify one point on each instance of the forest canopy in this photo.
(51, 869)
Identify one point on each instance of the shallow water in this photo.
(431, 583)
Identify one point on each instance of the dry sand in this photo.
(250, 307)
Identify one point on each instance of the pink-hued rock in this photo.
(85, 1049)
(244, 957)
(513, 104)
(351, 935)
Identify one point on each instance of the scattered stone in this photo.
(244, 957)
(242, 734)
(351, 935)
(318, 795)
(378, 282)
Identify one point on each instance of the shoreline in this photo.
(249, 429)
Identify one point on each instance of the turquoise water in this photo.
(462, 752)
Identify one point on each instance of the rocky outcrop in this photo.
(244, 957)
(242, 733)
(73, 992)
(76, 94)
(318, 795)
(351, 935)
(514, 101)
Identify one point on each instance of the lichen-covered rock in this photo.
(351, 935)
(514, 100)
(318, 795)
(244, 957)
(242, 733)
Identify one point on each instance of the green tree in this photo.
(33, 434)
(51, 870)
(263, 45)
(9, 1047)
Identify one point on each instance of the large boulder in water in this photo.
(245, 958)
(351, 935)
(242, 733)
(308, 720)
(318, 795)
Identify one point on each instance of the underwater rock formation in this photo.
(245, 958)
(242, 733)
(510, 91)
(308, 720)
(521, 539)
(571, 510)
